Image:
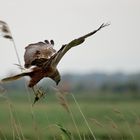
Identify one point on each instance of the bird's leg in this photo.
(35, 93)
(38, 94)
(33, 89)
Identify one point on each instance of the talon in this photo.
(36, 99)
(38, 94)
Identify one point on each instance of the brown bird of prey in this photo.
(42, 59)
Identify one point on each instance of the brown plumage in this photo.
(45, 59)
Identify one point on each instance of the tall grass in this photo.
(6, 32)
(52, 120)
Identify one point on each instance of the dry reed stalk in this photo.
(121, 115)
(102, 126)
(79, 108)
(16, 131)
(96, 122)
(137, 118)
(112, 122)
(64, 103)
(6, 33)
(2, 134)
(114, 125)
(19, 126)
(62, 100)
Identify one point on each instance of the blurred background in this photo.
(103, 73)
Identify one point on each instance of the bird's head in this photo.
(56, 77)
(57, 82)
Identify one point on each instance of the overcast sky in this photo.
(114, 48)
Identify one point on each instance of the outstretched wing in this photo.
(38, 53)
(57, 57)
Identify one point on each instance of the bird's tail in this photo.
(15, 77)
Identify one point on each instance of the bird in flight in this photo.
(42, 59)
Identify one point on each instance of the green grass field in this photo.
(108, 117)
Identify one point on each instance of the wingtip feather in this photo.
(12, 78)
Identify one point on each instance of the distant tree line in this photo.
(117, 82)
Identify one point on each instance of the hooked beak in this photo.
(57, 82)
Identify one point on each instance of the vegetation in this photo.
(64, 116)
